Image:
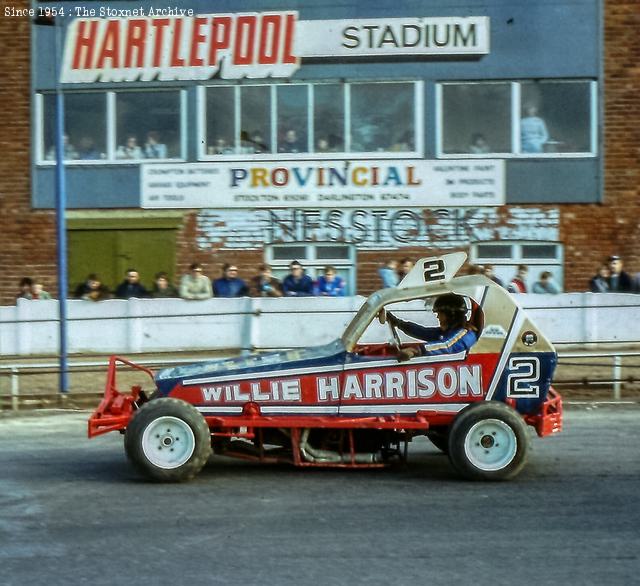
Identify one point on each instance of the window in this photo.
(85, 126)
(525, 119)
(476, 118)
(505, 258)
(148, 125)
(314, 258)
(382, 117)
(322, 118)
(103, 127)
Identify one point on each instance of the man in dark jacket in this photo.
(229, 285)
(619, 281)
(131, 286)
(297, 283)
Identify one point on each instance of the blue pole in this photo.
(61, 222)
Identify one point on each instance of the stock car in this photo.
(353, 403)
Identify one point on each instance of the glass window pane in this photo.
(255, 119)
(332, 252)
(539, 251)
(85, 123)
(328, 118)
(220, 121)
(148, 125)
(476, 118)
(293, 114)
(382, 117)
(298, 253)
(493, 251)
(556, 117)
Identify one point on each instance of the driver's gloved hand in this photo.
(407, 354)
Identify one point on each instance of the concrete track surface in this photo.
(72, 511)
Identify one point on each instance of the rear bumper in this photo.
(549, 420)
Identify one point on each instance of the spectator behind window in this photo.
(264, 284)
(92, 289)
(130, 149)
(153, 148)
(291, 143)
(195, 284)
(479, 144)
(162, 287)
(533, 131)
(330, 284)
(619, 280)
(600, 282)
(131, 286)
(389, 274)
(70, 151)
(519, 283)
(87, 150)
(297, 283)
(545, 285)
(230, 285)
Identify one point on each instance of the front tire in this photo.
(488, 441)
(168, 440)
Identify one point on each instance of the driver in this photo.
(453, 335)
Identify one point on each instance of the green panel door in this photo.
(92, 251)
(111, 252)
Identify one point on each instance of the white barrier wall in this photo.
(156, 325)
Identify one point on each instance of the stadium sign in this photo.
(148, 46)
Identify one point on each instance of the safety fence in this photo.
(170, 325)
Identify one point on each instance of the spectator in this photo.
(92, 289)
(546, 284)
(162, 287)
(38, 292)
(519, 283)
(25, 285)
(195, 284)
(600, 282)
(489, 273)
(291, 143)
(297, 283)
(87, 150)
(153, 148)
(131, 286)
(533, 131)
(330, 284)
(619, 280)
(70, 151)
(389, 274)
(264, 284)
(130, 150)
(406, 264)
(229, 285)
(479, 144)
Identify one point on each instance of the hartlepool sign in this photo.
(142, 45)
(323, 184)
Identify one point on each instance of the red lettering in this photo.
(176, 60)
(159, 24)
(197, 38)
(86, 42)
(374, 176)
(136, 36)
(245, 39)
(110, 45)
(220, 23)
(288, 56)
(268, 52)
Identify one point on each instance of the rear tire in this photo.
(168, 440)
(488, 441)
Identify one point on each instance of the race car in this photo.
(355, 402)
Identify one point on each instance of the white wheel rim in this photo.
(168, 442)
(491, 445)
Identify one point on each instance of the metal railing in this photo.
(20, 369)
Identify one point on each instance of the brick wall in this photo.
(27, 238)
